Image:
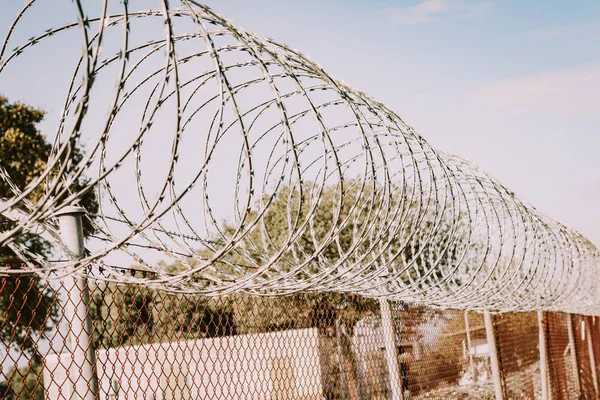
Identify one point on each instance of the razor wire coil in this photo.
(188, 121)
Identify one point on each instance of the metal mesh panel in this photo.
(517, 336)
(435, 356)
(564, 383)
(581, 334)
(240, 346)
(151, 344)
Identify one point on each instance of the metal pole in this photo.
(592, 356)
(491, 339)
(469, 347)
(543, 356)
(573, 351)
(83, 372)
(391, 352)
(342, 363)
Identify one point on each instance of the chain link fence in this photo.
(151, 344)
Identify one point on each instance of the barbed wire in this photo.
(250, 169)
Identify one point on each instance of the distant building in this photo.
(275, 365)
(479, 348)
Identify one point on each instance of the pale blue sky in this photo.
(509, 85)
(513, 86)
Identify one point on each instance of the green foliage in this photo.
(289, 210)
(126, 315)
(254, 314)
(27, 308)
(23, 150)
(123, 315)
(354, 229)
(24, 383)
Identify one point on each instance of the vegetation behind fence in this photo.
(151, 344)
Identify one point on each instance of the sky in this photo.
(512, 86)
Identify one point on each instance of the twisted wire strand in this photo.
(250, 169)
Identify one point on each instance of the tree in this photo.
(23, 383)
(28, 307)
(426, 244)
(126, 315)
(419, 244)
(122, 314)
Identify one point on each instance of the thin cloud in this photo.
(472, 10)
(418, 14)
(565, 92)
(589, 31)
(427, 10)
(548, 33)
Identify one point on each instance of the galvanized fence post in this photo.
(573, 351)
(588, 335)
(341, 361)
(494, 361)
(82, 371)
(469, 347)
(391, 351)
(545, 381)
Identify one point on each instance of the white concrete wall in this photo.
(277, 365)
